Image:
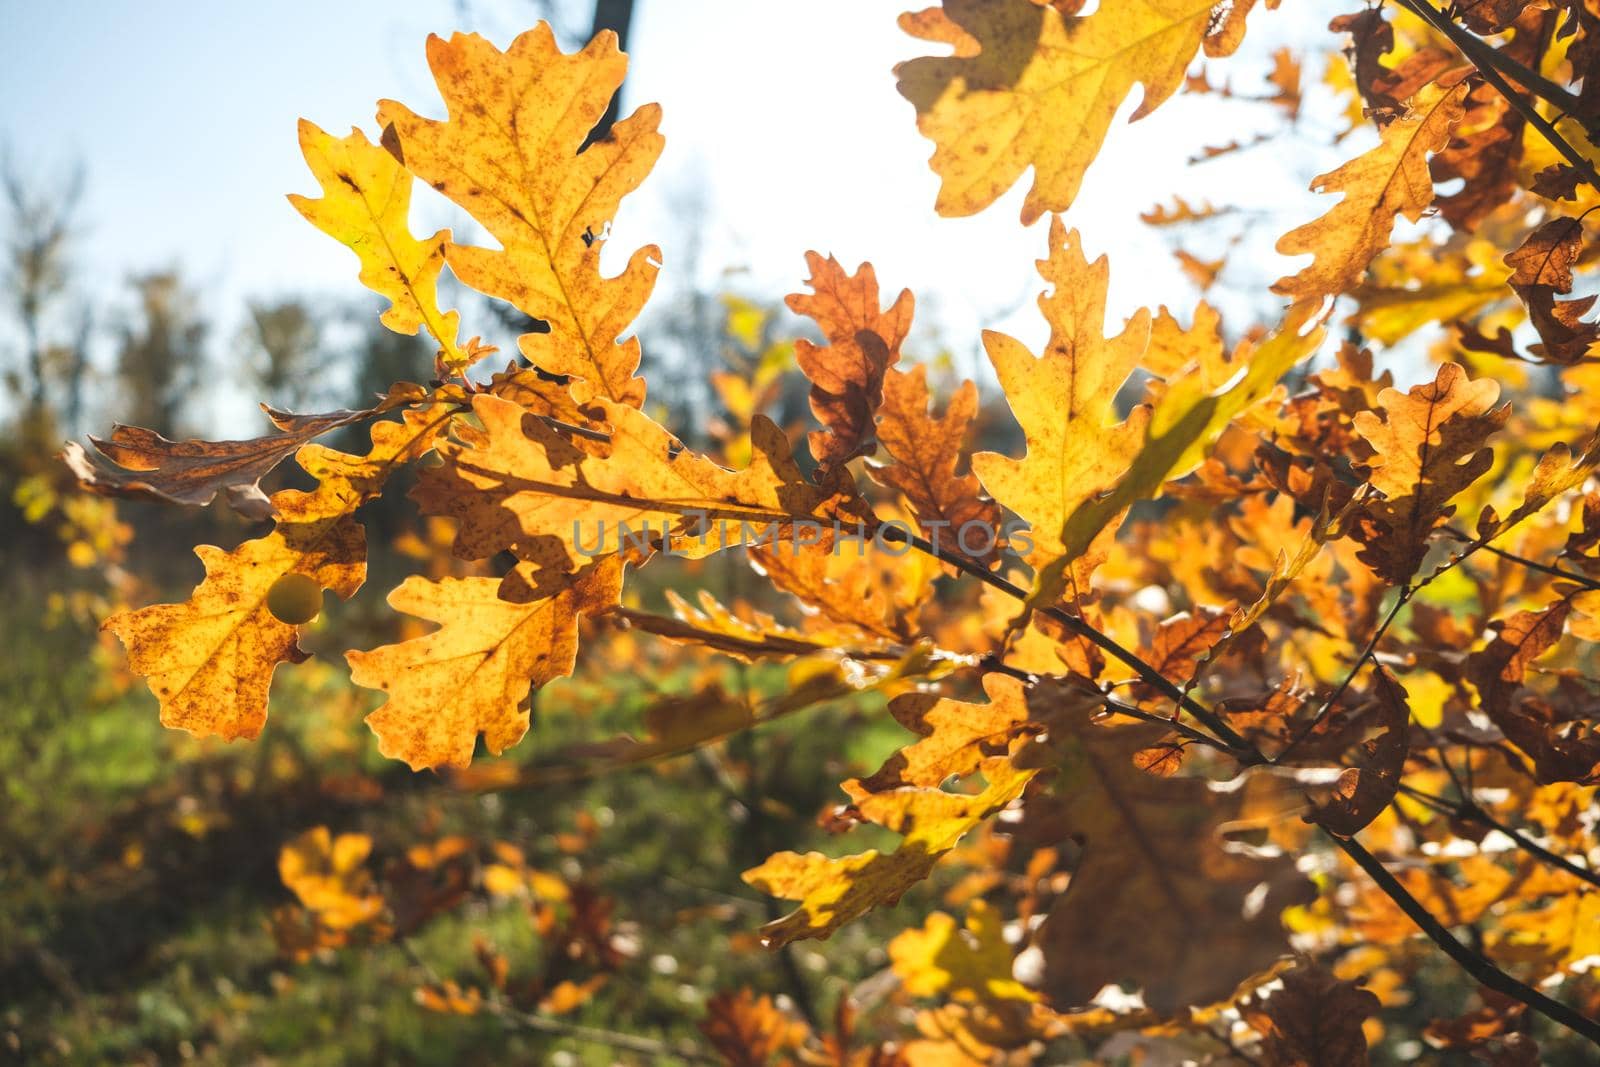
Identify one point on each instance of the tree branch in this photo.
(1467, 44)
(1235, 745)
(1481, 968)
(1467, 810)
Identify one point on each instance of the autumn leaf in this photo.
(1391, 179)
(1154, 899)
(142, 464)
(210, 659)
(972, 961)
(833, 892)
(927, 454)
(1498, 670)
(330, 877)
(1028, 86)
(1364, 791)
(472, 675)
(747, 1030)
(1313, 1019)
(1064, 400)
(750, 636)
(1547, 255)
(872, 596)
(1558, 471)
(955, 736)
(509, 154)
(365, 205)
(1188, 417)
(1429, 446)
(847, 371)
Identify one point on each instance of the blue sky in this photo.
(782, 122)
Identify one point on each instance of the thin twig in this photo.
(1482, 53)
(1468, 811)
(993, 665)
(1480, 967)
(1350, 676)
(1236, 745)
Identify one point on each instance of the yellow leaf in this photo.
(832, 892)
(473, 674)
(1188, 419)
(956, 736)
(1065, 400)
(967, 963)
(1029, 86)
(508, 154)
(210, 659)
(329, 876)
(1390, 179)
(365, 205)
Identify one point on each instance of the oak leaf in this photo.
(1364, 791)
(927, 452)
(329, 875)
(509, 154)
(1065, 400)
(847, 371)
(972, 961)
(142, 464)
(1428, 446)
(1190, 414)
(955, 736)
(472, 675)
(833, 892)
(1029, 86)
(1391, 179)
(1314, 1019)
(365, 205)
(1546, 256)
(747, 1030)
(210, 659)
(1154, 899)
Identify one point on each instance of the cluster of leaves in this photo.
(1257, 661)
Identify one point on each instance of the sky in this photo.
(783, 129)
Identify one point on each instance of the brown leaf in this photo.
(1363, 791)
(1429, 445)
(1485, 152)
(1546, 256)
(1563, 335)
(1154, 899)
(747, 1031)
(847, 372)
(927, 452)
(1314, 1020)
(142, 464)
(1558, 181)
